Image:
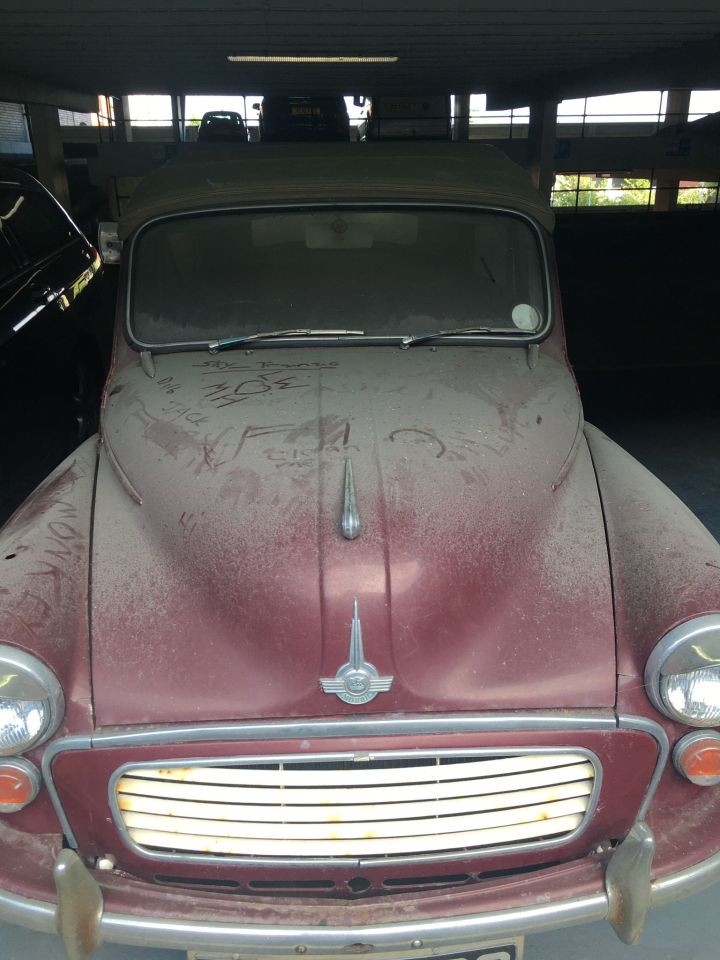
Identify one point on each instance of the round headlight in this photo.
(31, 701)
(682, 675)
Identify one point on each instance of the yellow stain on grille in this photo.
(293, 811)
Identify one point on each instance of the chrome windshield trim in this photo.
(355, 862)
(511, 338)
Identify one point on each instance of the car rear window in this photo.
(34, 220)
(389, 272)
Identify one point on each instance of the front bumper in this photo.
(84, 923)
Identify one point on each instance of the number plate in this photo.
(497, 950)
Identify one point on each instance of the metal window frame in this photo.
(511, 338)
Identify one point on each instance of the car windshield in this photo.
(392, 273)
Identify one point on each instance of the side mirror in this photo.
(256, 106)
(109, 242)
(359, 101)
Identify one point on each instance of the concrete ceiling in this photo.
(516, 49)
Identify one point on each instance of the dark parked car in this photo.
(50, 358)
(304, 118)
(387, 652)
(222, 126)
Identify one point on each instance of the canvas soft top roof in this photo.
(257, 174)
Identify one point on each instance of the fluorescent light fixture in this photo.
(309, 58)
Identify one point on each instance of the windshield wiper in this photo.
(458, 331)
(215, 345)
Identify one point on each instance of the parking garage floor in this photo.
(683, 449)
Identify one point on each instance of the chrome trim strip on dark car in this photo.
(510, 338)
(354, 862)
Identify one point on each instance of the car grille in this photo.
(356, 806)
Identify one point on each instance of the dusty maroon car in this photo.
(348, 634)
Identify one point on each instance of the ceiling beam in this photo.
(690, 65)
(18, 89)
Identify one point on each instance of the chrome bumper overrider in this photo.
(79, 916)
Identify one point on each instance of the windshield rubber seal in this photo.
(509, 339)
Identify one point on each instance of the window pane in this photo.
(35, 222)
(72, 118)
(150, 111)
(703, 102)
(196, 106)
(571, 111)
(481, 115)
(698, 192)
(601, 190)
(642, 106)
(645, 107)
(387, 272)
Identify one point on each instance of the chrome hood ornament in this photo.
(350, 523)
(357, 681)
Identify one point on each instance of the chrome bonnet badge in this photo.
(357, 681)
(350, 521)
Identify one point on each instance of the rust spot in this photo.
(544, 815)
(176, 773)
(539, 419)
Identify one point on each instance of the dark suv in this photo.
(51, 366)
(304, 118)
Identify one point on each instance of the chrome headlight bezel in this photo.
(24, 677)
(687, 648)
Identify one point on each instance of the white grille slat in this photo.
(367, 830)
(389, 807)
(356, 848)
(358, 775)
(182, 790)
(348, 813)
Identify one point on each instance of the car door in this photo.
(47, 265)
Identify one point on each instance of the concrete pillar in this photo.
(541, 145)
(676, 112)
(461, 125)
(177, 104)
(48, 150)
(122, 119)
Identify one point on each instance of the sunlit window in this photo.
(481, 116)
(698, 193)
(602, 190)
(703, 102)
(150, 110)
(641, 106)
